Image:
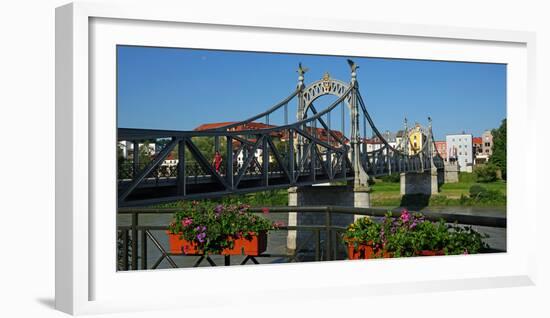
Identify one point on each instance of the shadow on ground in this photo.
(415, 201)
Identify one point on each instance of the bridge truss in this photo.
(304, 152)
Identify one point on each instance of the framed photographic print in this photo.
(271, 154)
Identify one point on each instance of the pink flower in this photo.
(278, 223)
(465, 252)
(186, 222)
(405, 216)
(265, 210)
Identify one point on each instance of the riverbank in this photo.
(451, 194)
(387, 194)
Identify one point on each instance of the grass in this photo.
(388, 194)
(265, 198)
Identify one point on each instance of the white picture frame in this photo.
(85, 34)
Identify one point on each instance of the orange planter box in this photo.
(365, 251)
(178, 246)
(430, 253)
(256, 245)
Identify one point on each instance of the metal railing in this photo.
(133, 238)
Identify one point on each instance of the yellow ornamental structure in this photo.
(416, 139)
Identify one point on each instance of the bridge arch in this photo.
(324, 86)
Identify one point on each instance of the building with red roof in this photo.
(441, 147)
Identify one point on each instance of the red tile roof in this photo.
(248, 126)
(477, 140)
(320, 132)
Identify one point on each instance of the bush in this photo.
(394, 177)
(370, 181)
(492, 196)
(479, 193)
(439, 200)
(476, 190)
(486, 173)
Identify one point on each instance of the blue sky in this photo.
(166, 88)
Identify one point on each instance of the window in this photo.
(460, 153)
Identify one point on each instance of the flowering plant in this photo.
(410, 234)
(364, 231)
(214, 227)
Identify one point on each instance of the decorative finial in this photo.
(326, 82)
(301, 71)
(353, 66)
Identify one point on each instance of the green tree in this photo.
(282, 148)
(486, 173)
(498, 157)
(144, 153)
(207, 148)
(119, 153)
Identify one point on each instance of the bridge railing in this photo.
(135, 239)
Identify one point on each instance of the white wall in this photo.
(27, 114)
(461, 144)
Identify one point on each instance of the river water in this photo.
(277, 239)
(483, 211)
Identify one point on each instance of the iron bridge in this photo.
(302, 152)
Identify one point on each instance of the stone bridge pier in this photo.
(320, 195)
(451, 172)
(424, 183)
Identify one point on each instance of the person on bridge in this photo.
(217, 161)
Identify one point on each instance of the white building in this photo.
(127, 148)
(393, 139)
(459, 148)
(257, 155)
(373, 144)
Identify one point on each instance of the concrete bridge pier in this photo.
(451, 172)
(425, 183)
(320, 195)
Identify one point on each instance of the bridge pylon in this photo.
(356, 194)
(361, 178)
